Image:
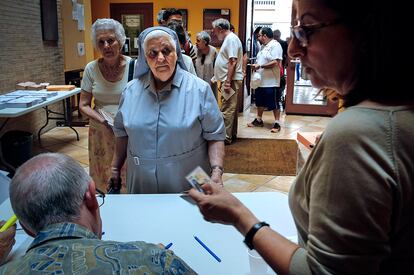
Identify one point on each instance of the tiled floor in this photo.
(63, 140)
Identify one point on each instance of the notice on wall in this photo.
(81, 17)
(81, 48)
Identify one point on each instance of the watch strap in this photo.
(248, 239)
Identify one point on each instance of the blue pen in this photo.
(208, 249)
(168, 245)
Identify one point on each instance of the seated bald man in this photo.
(54, 199)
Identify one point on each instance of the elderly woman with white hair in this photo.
(168, 121)
(104, 79)
(206, 56)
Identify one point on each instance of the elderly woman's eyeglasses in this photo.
(303, 32)
(100, 197)
(109, 41)
(154, 53)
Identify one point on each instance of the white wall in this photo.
(279, 16)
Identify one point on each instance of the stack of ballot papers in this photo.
(24, 98)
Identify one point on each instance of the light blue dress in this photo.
(167, 131)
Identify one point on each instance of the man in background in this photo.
(179, 30)
(285, 60)
(268, 93)
(176, 16)
(283, 44)
(228, 70)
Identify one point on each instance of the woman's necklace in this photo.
(114, 72)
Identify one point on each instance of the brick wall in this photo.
(24, 56)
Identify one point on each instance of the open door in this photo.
(302, 98)
(135, 18)
(245, 34)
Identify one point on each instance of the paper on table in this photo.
(107, 116)
(227, 95)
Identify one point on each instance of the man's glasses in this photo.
(154, 53)
(303, 32)
(176, 21)
(100, 197)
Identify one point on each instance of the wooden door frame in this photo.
(242, 37)
(242, 20)
(330, 109)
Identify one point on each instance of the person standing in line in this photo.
(176, 16)
(206, 57)
(284, 44)
(168, 121)
(268, 94)
(228, 70)
(256, 42)
(103, 81)
(179, 30)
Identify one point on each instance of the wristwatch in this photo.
(248, 239)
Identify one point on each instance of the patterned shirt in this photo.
(68, 248)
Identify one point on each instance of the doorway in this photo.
(135, 18)
(302, 98)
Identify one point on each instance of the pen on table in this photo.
(168, 245)
(208, 249)
(9, 223)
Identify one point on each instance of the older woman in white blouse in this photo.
(103, 81)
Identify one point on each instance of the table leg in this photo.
(47, 122)
(68, 116)
(2, 160)
(4, 124)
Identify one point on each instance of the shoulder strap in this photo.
(131, 69)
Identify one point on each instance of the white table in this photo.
(15, 112)
(165, 218)
(66, 116)
(61, 95)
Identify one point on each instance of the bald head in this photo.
(48, 189)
